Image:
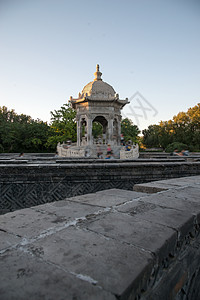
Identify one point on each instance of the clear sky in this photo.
(49, 50)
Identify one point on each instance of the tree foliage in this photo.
(176, 145)
(97, 129)
(183, 128)
(63, 125)
(129, 131)
(20, 133)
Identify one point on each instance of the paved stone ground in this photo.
(113, 244)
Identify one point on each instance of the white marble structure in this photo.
(98, 102)
(133, 153)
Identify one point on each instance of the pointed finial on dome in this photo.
(97, 74)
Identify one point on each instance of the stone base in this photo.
(71, 151)
(132, 154)
(93, 150)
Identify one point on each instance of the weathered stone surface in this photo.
(140, 233)
(181, 221)
(107, 263)
(32, 184)
(27, 276)
(182, 280)
(161, 185)
(153, 187)
(108, 198)
(139, 246)
(32, 222)
(182, 199)
(8, 240)
(121, 193)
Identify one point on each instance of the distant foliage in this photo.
(176, 145)
(20, 133)
(183, 128)
(151, 136)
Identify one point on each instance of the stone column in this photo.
(119, 131)
(89, 131)
(78, 130)
(110, 131)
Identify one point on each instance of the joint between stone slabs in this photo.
(128, 201)
(82, 203)
(118, 240)
(79, 276)
(52, 230)
(14, 246)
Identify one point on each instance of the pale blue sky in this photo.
(49, 50)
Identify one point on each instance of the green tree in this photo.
(165, 136)
(129, 131)
(151, 136)
(187, 127)
(20, 133)
(183, 128)
(97, 129)
(35, 136)
(63, 125)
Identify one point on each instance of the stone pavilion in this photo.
(98, 102)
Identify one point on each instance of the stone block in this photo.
(151, 188)
(147, 235)
(31, 222)
(183, 222)
(121, 193)
(161, 185)
(7, 240)
(108, 198)
(110, 264)
(181, 199)
(25, 276)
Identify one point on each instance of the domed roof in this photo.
(98, 89)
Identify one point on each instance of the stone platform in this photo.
(32, 181)
(112, 244)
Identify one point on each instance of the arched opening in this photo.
(99, 129)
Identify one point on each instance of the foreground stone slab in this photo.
(113, 244)
(31, 222)
(162, 185)
(89, 255)
(8, 240)
(27, 276)
(185, 199)
(108, 198)
(140, 233)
